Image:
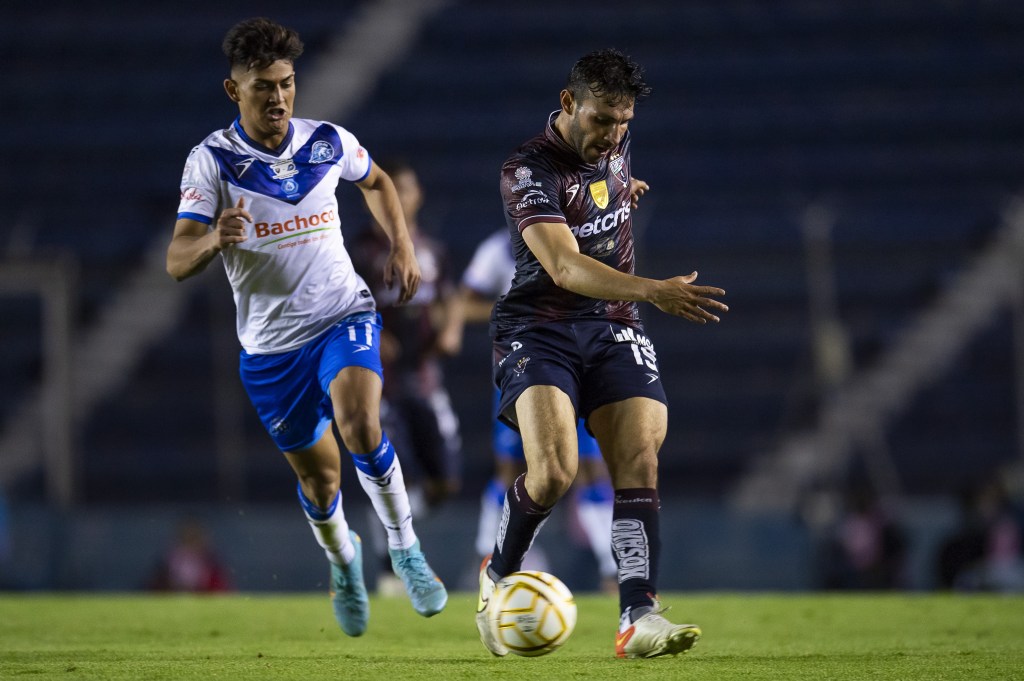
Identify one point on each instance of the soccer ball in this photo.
(532, 612)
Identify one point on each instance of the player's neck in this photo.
(262, 138)
(562, 128)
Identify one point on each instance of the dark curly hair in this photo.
(608, 75)
(259, 42)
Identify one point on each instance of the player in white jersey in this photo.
(487, 278)
(261, 194)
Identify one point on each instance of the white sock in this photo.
(391, 502)
(332, 533)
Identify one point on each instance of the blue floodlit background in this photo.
(849, 172)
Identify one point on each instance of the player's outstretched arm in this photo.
(193, 246)
(382, 200)
(559, 254)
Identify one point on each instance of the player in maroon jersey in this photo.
(569, 342)
(417, 335)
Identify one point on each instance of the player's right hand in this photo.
(678, 296)
(402, 268)
(230, 227)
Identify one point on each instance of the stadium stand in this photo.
(905, 119)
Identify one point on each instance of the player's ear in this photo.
(231, 87)
(568, 102)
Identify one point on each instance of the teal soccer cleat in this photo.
(425, 590)
(348, 592)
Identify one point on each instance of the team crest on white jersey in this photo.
(284, 169)
(322, 151)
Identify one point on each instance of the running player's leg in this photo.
(537, 373)
(286, 393)
(319, 472)
(351, 364)
(630, 433)
(394, 421)
(547, 422)
(626, 410)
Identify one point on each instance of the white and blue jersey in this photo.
(292, 278)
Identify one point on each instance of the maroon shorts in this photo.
(593, 362)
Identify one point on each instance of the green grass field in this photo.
(746, 636)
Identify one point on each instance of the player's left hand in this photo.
(402, 268)
(681, 297)
(637, 188)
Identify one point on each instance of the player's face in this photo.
(596, 127)
(265, 99)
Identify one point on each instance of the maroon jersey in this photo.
(545, 180)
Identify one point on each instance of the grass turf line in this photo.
(746, 636)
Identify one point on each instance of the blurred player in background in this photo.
(416, 409)
(261, 194)
(569, 342)
(486, 279)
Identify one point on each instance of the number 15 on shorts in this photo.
(643, 348)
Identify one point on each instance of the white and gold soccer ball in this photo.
(532, 612)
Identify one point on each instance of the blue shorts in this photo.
(508, 444)
(593, 362)
(291, 390)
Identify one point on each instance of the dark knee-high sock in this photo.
(521, 519)
(637, 546)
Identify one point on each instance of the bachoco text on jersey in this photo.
(295, 224)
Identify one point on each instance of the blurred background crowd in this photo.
(850, 172)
